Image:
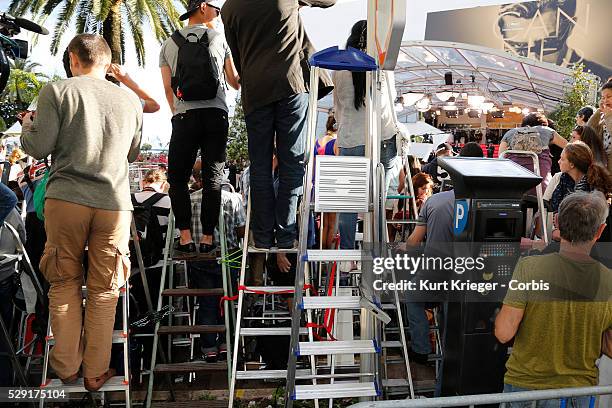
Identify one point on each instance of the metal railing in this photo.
(499, 398)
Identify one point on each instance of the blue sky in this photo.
(325, 28)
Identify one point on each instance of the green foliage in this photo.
(237, 145)
(145, 147)
(90, 16)
(576, 97)
(22, 88)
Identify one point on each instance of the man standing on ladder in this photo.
(195, 65)
(92, 128)
(270, 49)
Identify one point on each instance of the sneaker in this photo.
(208, 249)
(186, 250)
(418, 357)
(211, 357)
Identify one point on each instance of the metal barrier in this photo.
(500, 398)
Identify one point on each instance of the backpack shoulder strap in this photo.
(204, 38)
(149, 202)
(134, 200)
(178, 39)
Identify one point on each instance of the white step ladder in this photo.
(116, 383)
(344, 184)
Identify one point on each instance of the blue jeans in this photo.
(8, 201)
(347, 222)
(572, 402)
(418, 327)
(283, 121)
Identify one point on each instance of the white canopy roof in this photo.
(502, 77)
(14, 130)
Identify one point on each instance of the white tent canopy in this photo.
(501, 77)
(14, 130)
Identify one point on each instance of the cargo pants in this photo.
(70, 228)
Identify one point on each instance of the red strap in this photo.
(258, 292)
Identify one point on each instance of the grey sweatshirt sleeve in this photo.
(39, 139)
(135, 146)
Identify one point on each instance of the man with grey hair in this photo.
(558, 308)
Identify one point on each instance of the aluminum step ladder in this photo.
(337, 181)
(169, 368)
(241, 332)
(20, 257)
(116, 383)
(542, 211)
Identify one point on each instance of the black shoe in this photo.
(186, 250)
(418, 357)
(208, 249)
(211, 357)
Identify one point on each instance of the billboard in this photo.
(560, 32)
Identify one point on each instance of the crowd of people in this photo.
(86, 130)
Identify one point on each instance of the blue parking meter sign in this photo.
(461, 216)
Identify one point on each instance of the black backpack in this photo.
(196, 77)
(150, 233)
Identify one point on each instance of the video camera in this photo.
(12, 48)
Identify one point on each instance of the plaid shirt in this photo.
(233, 213)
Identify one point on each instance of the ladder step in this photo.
(331, 302)
(270, 331)
(273, 250)
(391, 344)
(196, 366)
(336, 390)
(193, 292)
(114, 384)
(197, 329)
(395, 382)
(181, 342)
(331, 255)
(269, 289)
(196, 257)
(118, 337)
(181, 314)
(192, 404)
(322, 348)
(268, 374)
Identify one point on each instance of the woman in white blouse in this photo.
(349, 105)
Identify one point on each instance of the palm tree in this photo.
(106, 17)
(25, 65)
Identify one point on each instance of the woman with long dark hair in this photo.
(580, 173)
(350, 108)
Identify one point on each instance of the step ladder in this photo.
(166, 295)
(339, 188)
(116, 383)
(19, 258)
(531, 221)
(242, 332)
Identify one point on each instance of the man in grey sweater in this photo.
(92, 129)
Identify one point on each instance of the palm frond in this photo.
(154, 20)
(20, 7)
(105, 7)
(63, 21)
(50, 6)
(82, 19)
(37, 6)
(134, 22)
